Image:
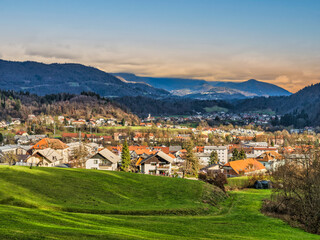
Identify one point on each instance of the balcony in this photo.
(105, 165)
(163, 167)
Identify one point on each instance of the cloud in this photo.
(213, 65)
(53, 52)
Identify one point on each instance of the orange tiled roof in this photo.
(163, 149)
(246, 165)
(200, 149)
(133, 148)
(142, 151)
(49, 143)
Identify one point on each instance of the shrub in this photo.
(217, 179)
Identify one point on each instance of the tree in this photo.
(228, 138)
(235, 155)
(78, 156)
(1, 138)
(272, 143)
(296, 190)
(214, 158)
(242, 155)
(123, 122)
(125, 157)
(192, 162)
(17, 105)
(9, 158)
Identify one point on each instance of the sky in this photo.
(276, 41)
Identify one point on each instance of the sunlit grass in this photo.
(54, 190)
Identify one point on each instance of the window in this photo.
(153, 163)
(95, 161)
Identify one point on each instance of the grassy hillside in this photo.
(238, 218)
(96, 191)
(52, 190)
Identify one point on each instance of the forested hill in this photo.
(305, 101)
(86, 105)
(142, 106)
(41, 79)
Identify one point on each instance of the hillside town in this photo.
(162, 146)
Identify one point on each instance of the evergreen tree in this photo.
(235, 155)
(125, 157)
(214, 158)
(192, 162)
(242, 155)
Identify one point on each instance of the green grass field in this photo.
(238, 182)
(215, 109)
(44, 193)
(94, 191)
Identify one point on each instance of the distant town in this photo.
(158, 145)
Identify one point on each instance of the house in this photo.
(243, 167)
(51, 143)
(91, 148)
(158, 163)
(25, 138)
(221, 150)
(103, 160)
(259, 150)
(213, 168)
(14, 149)
(174, 149)
(47, 157)
(22, 133)
(271, 160)
(204, 158)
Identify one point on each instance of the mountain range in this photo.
(161, 95)
(208, 90)
(41, 79)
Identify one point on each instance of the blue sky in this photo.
(276, 41)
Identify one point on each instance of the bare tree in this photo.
(79, 156)
(9, 158)
(297, 190)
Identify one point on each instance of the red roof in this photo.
(163, 149)
(76, 135)
(20, 132)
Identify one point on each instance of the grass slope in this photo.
(238, 217)
(93, 191)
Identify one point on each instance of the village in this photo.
(156, 146)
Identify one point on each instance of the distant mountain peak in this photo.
(195, 87)
(252, 80)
